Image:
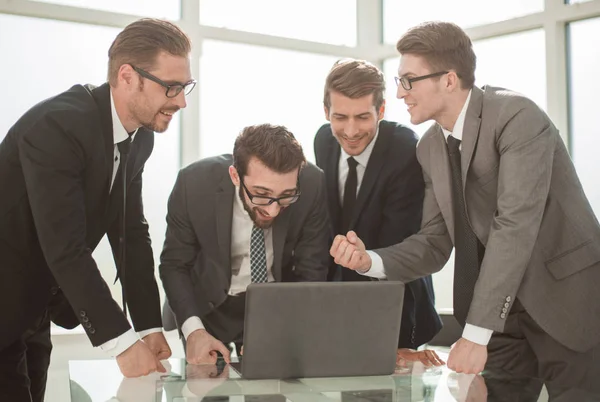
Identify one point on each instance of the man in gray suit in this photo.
(501, 188)
(259, 215)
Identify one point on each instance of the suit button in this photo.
(211, 305)
(54, 290)
(503, 315)
(88, 325)
(92, 331)
(85, 319)
(508, 299)
(504, 310)
(507, 305)
(82, 313)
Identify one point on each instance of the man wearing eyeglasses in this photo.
(502, 189)
(71, 172)
(259, 215)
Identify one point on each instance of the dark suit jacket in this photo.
(388, 209)
(56, 166)
(195, 263)
(526, 205)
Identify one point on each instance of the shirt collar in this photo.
(363, 157)
(119, 132)
(457, 132)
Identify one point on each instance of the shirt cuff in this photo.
(478, 335)
(190, 325)
(120, 344)
(146, 332)
(376, 271)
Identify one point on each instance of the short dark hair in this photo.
(274, 146)
(445, 46)
(140, 43)
(355, 79)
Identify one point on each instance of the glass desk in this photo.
(101, 380)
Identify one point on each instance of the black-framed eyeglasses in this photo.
(263, 200)
(172, 89)
(407, 82)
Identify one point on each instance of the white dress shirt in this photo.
(118, 345)
(241, 231)
(471, 332)
(362, 161)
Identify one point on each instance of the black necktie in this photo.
(468, 250)
(349, 196)
(124, 147)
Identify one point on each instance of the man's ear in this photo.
(381, 111)
(452, 81)
(235, 177)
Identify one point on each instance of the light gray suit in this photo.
(527, 207)
(196, 259)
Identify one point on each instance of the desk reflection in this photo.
(222, 382)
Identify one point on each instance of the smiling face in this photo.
(425, 101)
(354, 122)
(264, 182)
(148, 104)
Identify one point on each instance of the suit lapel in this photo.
(101, 96)
(224, 214)
(331, 178)
(471, 132)
(280, 229)
(441, 178)
(374, 165)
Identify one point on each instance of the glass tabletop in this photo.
(101, 380)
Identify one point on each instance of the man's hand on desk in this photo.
(349, 251)
(158, 345)
(138, 360)
(202, 348)
(467, 357)
(427, 357)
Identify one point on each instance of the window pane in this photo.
(399, 15)
(308, 19)
(168, 9)
(584, 65)
(50, 57)
(285, 87)
(496, 68)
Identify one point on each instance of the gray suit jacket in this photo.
(195, 264)
(526, 205)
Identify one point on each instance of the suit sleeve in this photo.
(179, 254)
(425, 252)
(526, 146)
(141, 289)
(311, 254)
(53, 164)
(402, 211)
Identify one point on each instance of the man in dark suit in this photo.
(502, 189)
(62, 175)
(374, 184)
(257, 216)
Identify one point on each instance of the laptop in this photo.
(321, 329)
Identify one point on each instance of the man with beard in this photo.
(259, 215)
(71, 172)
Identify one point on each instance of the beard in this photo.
(141, 110)
(252, 212)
